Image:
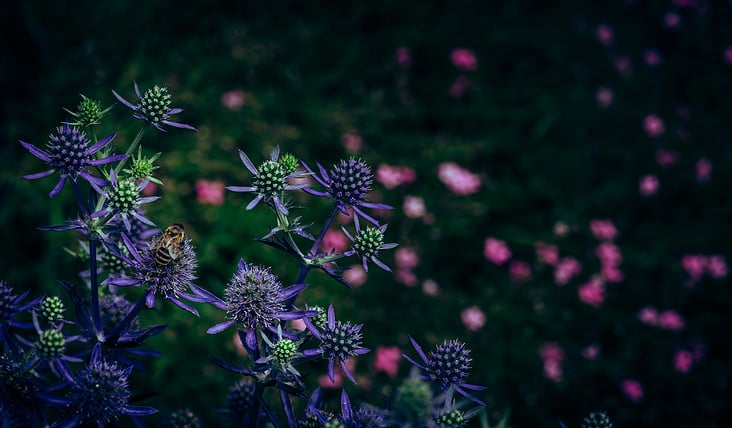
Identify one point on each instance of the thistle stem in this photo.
(326, 226)
(94, 297)
(131, 148)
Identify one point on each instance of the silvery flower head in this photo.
(339, 341)
(123, 200)
(99, 393)
(154, 107)
(70, 152)
(597, 420)
(171, 278)
(270, 181)
(447, 366)
(255, 299)
(348, 183)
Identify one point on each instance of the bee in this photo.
(170, 246)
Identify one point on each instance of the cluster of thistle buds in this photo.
(67, 372)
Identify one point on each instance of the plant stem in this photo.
(131, 148)
(113, 336)
(94, 297)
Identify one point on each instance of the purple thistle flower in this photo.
(68, 152)
(269, 182)
(255, 299)
(123, 200)
(367, 243)
(171, 280)
(10, 306)
(241, 401)
(339, 342)
(349, 183)
(447, 366)
(99, 393)
(154, 107)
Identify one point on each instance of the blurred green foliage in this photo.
(529, 125)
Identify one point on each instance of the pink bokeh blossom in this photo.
(648, 185)
(458, 179)
(671, 320)
(352, 142)
(648, 316)
(666, 157)
(592, 292)
(210, 192)
(552, 355)
(728, 55)
(334, 240)
(653, 126)
(609, 254)
(387, 360)
(605, 34)
(623, 65)
(604, 97)
(150, 189)
(652, 57)
(393, 176)
(683, 361)
(703, 170)
(519, 271)
(716, 267)
(403, 57)
(355, 276)
(633, 390)
(547, 253)
(603, 230)
(234, 99)
(459, 87)
(406, 277)
(591, 352)
(671, 20)
(430, 287)
(567, 268)
(496, 251)
(406, 258)
(464, 59)
(414, 206)
(694, 265)
(473, 318)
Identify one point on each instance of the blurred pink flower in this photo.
(551, 351)
(297, 324)
(683, 360)
(403, 57)
(605, 34)
(703, 170)
(406, 277)
(592, 292)
(459, 87)
(716, 267)
(334, 240)
(653, 125)
(671, 320)
(566, 269)
(458, 179)
(547, 253)
(632, 389)
(591, 352)
(355, 276)
(496, 251)
(728, 55)
(611, 273)
(623, 65)
(604, 97)
(609, 254)
(406, 258)
(150, 189)
(430, 287)
(352, 142)
(393, 176)
(234, 99)
(561, 229)
(553, 370)
(473, 318)
(464, 59)
(671, 20)
(666, 157)
(387, 360)
(210, 192)
(648, 185)
(694, 265)
(603, 230)
(414, 207)
(652, 57)
(519, 271)
(648, 316)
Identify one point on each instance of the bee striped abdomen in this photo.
(170, 245)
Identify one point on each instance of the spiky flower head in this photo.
(284, 351)
(254, 296)
(17, 380)
(449, 363)
(597, 420)
(413, 401)
(241, 400)
(51, 344)
(124, 200)
(10, 306)
(368, 416)
(68, 151)
(112, 264)
(367, 243)
(447, 366)
(182, 418)
(334, 423)
(451, 419)
(154, 107)
(319, 320)
(289, 163)
(52, 308)
(89, 112)
(114, 309)
(142, 168)
(101, 392)
(269, 181)
(339, 342)
(172, 280)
